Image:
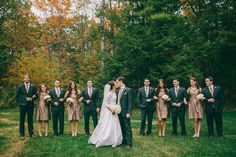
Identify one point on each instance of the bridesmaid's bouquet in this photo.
(200, 97)
(165, 97)
(69, 101)
(47, 98)
(115, 108)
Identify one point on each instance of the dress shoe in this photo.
(128, 147)
(22, 138)
(32, 136)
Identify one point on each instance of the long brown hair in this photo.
(195, 80)
(164, 86)
(40, 88)
(70, 89)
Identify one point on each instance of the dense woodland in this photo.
(142, 39)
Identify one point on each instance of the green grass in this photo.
(153, 146)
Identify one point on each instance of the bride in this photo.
(108, 131)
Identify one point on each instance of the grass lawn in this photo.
(153, 146)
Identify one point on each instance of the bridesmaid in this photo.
(162, 107)
(73, 108)
(195, 106)
(43, 109)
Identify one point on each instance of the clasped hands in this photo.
(60, 100)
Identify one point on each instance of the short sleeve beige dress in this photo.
(73, 110)
(162, 108)
(194, 105)
(42, 113)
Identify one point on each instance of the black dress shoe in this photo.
(142, 134)
(210, 136)
(32, 136)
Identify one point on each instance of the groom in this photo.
(124, 99)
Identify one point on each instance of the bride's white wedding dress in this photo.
(108, 131)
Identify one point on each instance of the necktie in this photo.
(58, 92)
(119, 95)
(27, 88)
(176, 91)
(146, 91)
(211, 90)
(90, 92)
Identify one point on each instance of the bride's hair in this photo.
(111, 83)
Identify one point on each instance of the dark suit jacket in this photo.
(217, 95)
(125, 101)
(55, 98)
(180, 97)
(142, 98)
(21, 94)
(94, 99)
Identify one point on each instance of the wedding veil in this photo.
(105, 96)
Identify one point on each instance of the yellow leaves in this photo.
(41, 67)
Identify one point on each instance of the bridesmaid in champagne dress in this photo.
(162, 107)
(73, 107)
(195, 106)
(43, 109)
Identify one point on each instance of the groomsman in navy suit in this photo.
(147, 104)
(25, 95)
(178, 106)
(57, 106)
(213, 107)
(90, 99)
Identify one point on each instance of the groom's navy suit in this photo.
(124, 99)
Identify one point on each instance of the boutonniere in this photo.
(124, 92)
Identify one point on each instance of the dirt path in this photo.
(14, 145)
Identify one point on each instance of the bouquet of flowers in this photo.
(47, 98)
(165, 97)
(115, 108)
(69, 101)
(200, 97)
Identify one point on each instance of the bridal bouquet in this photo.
(47, 98)
(165, 97)
(115, 108)
(200, 97)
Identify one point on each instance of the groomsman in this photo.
(25, 95)
(90, 97)
(57, 106)
(178, 106)
(147, 104)
(124, 99)
(213, 107)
